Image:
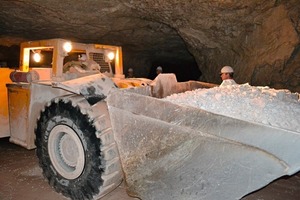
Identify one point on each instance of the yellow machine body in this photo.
(24, 92)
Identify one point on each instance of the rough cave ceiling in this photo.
(259, 38)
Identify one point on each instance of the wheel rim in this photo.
(66, 151)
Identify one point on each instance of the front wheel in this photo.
(76, 149)
(66, 151)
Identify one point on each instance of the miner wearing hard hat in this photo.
(227, 76)
(130, 73)
(159, 70)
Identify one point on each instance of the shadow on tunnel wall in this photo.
(184, 71)
(9, 56)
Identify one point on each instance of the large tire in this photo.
(76, 148)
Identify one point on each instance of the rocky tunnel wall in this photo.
(258, 38)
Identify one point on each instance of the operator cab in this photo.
(59, 60)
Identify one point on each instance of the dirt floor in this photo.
(21, 179)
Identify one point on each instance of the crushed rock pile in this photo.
(278, 108)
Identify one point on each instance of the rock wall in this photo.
(258, 38)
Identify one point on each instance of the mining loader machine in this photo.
(88, 132)
(56, 104)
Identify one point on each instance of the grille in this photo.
(100, 59)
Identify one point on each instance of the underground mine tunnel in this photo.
(259, 39)
(192, 39)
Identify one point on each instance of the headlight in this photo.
(37, 56)
(67, 46)
(111, 56)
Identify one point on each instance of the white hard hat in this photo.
(159, 68)
(227, 69)
(82, 57)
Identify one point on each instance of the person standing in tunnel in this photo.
(227, 76)
(130, 73)
(159, 70)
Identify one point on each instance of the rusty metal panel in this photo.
(18, 101)
(4, 124)
(26, 100)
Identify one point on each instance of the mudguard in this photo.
(93, 87)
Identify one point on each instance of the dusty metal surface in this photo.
(25, 103)
(4, 77)
(97, 84)
(18, 101)
(21, 178)
(175, 152)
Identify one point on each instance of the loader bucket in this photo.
(170, 151)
